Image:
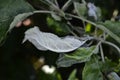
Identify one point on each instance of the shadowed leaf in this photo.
(8, 10)
(78, 56)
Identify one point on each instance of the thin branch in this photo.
(109, 43)
(43, 11)
(71, 30)
(66, 5)
(97, 25)
(56, 2)
(106, 42)
(102, 54)
(56, 8)
(53, 5)
(84, 2)
(83, 24)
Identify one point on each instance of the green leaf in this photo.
(78, 56)
(8, 10)
(91, 70)
(107, 29)
(72, 76)
(19, 18)
(80, 8)
(60, 28)
(109, 65)
(98, 13)
(113, 27)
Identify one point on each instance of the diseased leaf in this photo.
(48, 41)
(92, 70)
(78, 56)
(8, 10)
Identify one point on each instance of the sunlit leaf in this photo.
(88, 27)
(8, 10)
(78, 56)
(48, 41)
(92, 70)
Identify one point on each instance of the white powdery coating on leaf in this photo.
(48, 41)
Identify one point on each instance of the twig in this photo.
(97, 25)
(66, 5)
(56, 3)
(109, 43)
(53, 5)
(102, 54)
(71, 30)
(84, 2)
(56, 8)
(43, 11)
(83, 24)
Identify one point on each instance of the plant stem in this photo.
(109, 43)
(66, 5)
(56, 3)
(102, 54)
(97, 25)
(43, 11)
